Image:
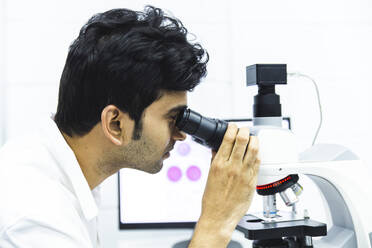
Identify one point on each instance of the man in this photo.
(125, 80)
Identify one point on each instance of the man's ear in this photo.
(116, 125)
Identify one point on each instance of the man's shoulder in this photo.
(34, 207)
(27, 192)
(24, 147)
(27, 153)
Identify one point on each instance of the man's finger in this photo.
(228, 142)
(252, 151)
(240, 145)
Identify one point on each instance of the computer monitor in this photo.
(171, 198)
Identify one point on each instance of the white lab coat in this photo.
(45, 200)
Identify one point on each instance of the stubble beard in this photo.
(139, 155)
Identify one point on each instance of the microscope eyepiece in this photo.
(206, 131)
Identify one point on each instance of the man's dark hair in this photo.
(125, 58)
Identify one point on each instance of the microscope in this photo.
(343, 180)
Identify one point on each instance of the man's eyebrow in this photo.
(176, 109)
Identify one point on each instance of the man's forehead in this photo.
(174, 96)
(175, 106)
(170, 102)
(176, 109)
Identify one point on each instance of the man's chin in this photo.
(156, 168)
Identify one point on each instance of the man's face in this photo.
(159, 133)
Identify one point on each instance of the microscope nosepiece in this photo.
(278, 186)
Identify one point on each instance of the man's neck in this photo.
(87, 156)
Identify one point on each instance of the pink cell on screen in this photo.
(193, 173)
(174, 174)
(183, 149)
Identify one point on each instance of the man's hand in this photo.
(230, 187)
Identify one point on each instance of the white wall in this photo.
(2, 70)
(328, 40)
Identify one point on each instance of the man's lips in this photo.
(171, 148)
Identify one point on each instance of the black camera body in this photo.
(266, 76)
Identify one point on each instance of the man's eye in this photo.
(173, 119)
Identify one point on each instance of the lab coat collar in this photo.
(66, 160)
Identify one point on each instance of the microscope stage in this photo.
(282, 216)
(256, 229)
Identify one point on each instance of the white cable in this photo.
(297, 74)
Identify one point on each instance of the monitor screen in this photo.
(171, 198)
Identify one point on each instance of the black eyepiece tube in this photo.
(206, 131)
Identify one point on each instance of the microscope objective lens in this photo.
(269, 206)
